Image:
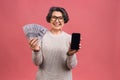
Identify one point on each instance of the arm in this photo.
(37, 58)
(71, 61)
(37, 55)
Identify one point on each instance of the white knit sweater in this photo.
(52, 60)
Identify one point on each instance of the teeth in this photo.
(57, 24)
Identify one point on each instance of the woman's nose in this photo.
(57, 20)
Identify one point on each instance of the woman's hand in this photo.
(71, 51)
(34, 44)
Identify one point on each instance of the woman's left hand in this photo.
(71, 52)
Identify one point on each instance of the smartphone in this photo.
(75, 41)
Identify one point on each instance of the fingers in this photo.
(34, 44)
(71, 52)
(74, 51)
(80, 46)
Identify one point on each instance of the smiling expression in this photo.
(57, 20)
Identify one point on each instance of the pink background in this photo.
(97, 20)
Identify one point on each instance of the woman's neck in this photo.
(53, 31)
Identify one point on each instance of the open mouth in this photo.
(57, 24)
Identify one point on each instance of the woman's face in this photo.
(57, 20)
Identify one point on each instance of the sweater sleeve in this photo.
(37, 58)
(71, 61)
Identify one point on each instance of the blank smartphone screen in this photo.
(75, 41)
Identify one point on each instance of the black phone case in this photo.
(75, 41)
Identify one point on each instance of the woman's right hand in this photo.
(34, 44)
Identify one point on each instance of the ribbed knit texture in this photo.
(52, 60)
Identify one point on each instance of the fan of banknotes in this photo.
(34, 30)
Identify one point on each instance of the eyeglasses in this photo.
(60, 18)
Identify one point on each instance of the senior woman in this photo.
(52, 54)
